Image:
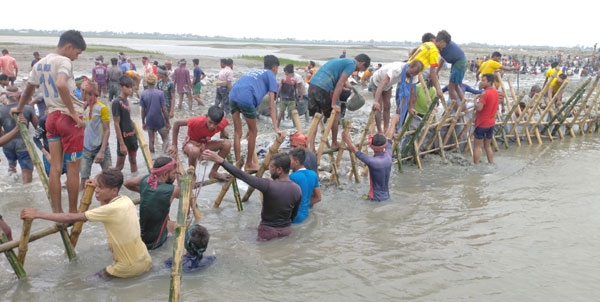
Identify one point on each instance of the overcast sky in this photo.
(511, 22)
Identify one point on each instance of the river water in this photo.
(523, 229)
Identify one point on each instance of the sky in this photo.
(511, 22)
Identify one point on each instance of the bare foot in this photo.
(335, 146)
(219, 176)
(251, 168)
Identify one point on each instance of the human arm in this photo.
(316, 196)
(435, 81)
(348, 140)
(378, 102)
(472, 90)
(117, 125)
(338, 91)
(261, 184)
(478, 103)
(105, 135)
(29, 213)
(412, 100)
(176, 125)
(6, 229)
(133, 184)
(296, 207)
(506, 68)
(390, 132)
(166, 116)
(144, 118)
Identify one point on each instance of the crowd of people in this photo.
(72, 130)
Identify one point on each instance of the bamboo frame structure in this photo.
(265, 164)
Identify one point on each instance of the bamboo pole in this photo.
(365, 170)
(86, 200)
(265, 164)
(508, 106)
(361, 143)
(424, 120)
(324, 135)
(143, 146)
(588, 110)
(178, 245)
(582, 106)
(226, 186)
(548, 107)
(193, 205)
(567, 108)
(296, 119)
(338, 160)
(33, 237)
(312, 129)
(331, 159)
(44, 179)
(395, 148)
(13, 259)
(24, 241)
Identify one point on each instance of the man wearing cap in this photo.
(155, 117)
(380, 164)
(156, 194)
(300, 141)
(183, 83)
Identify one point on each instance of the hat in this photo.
(299, 139)
(182, 62)
(356, 101)
(151, 79)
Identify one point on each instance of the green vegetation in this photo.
(107, 48)
(282, 61)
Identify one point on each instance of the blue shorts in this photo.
(457, 72)
(22, 157)
(481, 133)
(47, 165)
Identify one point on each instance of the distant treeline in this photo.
(157, 35)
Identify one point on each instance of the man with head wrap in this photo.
(300, 141)
(156, 194)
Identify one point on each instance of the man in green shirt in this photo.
(156, 194)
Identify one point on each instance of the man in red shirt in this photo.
(9, 67)
(200, 131)
(486, 105)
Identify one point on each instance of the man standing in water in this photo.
(308, 182)
(486, 105)
(64, 126)
(380, 164)
(281, 197)
(119, 215)
(156, 195)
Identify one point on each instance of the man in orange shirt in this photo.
(9, 67)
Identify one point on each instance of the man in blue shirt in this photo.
(155, 117)
(326, 86)
(455, 56)
(380, 164)
(245, 96)
(308, 182)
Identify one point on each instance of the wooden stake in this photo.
(24, 242)
(325, 134)
(265, 164)
(84, 205)
(226, 186)
(13, 259)
(143, 146)
(338, 160)
(296, 119)
(363, 137)
(178, 245)
(582, 106)
(331, 159)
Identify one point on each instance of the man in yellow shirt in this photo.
(119, 215)
(550, 72)
(428, 53)
(554, 86)
(492, 65)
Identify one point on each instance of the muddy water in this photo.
(525, 228)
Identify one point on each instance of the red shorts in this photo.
(62, 126)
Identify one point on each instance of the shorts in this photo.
(12, 79)
(197, 87)
(247, 112)
(131, 143)
(88, 159)
(266, 233)
(287, 105)
(60, 126)
(47, 165)
(484, 133)
(21, 156)
(319, 100)
(457, 72)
